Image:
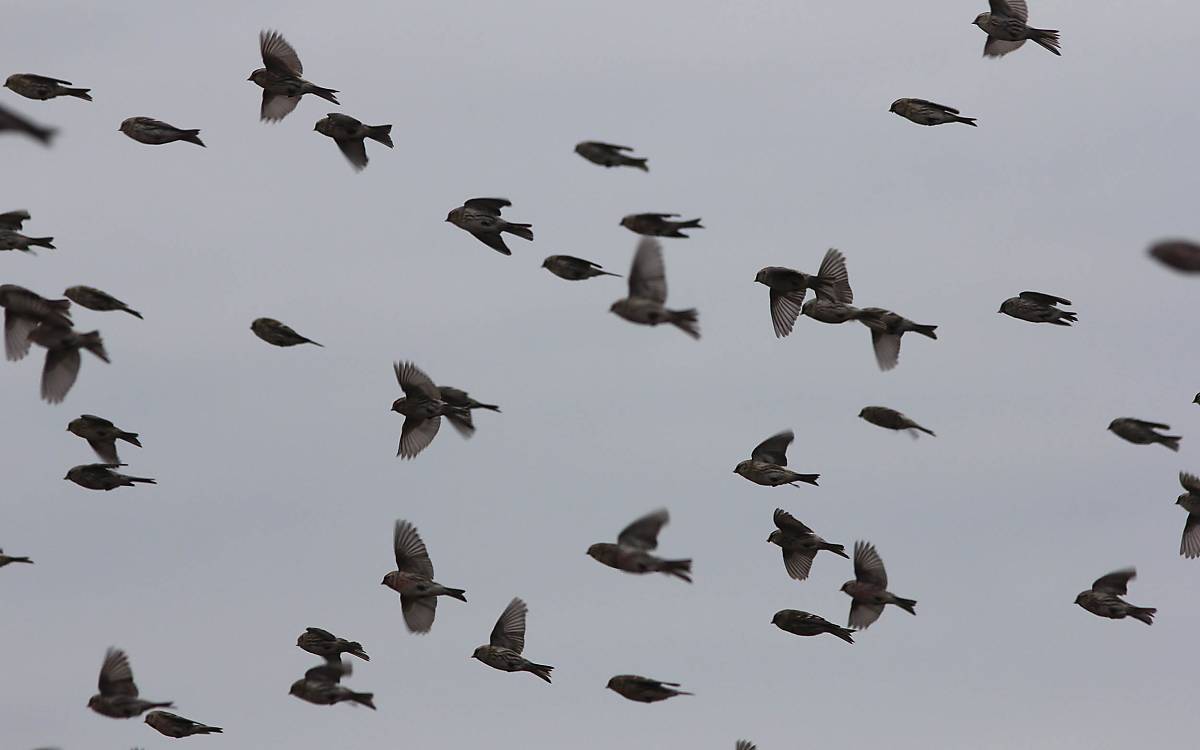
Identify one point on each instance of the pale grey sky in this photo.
(278, 483)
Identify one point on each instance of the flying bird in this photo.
(658, 225)
(1037, 307)
(1141, 432)
(834, 313)
(745, 745)
(504, 648)
(1178, 254)
(11, 240)
(647, 298)
(349, 134)
(102, 477)
(322, 686)
(1007, 30)
(481, 217)
(329, 646)
(24, 311)
(807, 624)
(118, 696)
(882, 416)
(1104, 598)
(102, 435)
(156, 132)
(925, 112)
(799, 544)
(631, 553)
(887, 328)
(281, 78)
(11, 121)
(868, 591)
(1189, 546)
(413, 579)
(274, 332)
(643, 689)
(610, 155)
(788, 286)
(62, 357)
(574, 269)
(423, 408)
(176, 726)
(462, 404)
(95, 299)
(43, 88)
(8, 559)
(768, 461)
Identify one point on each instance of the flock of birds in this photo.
(32, 319)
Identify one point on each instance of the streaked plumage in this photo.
(176, 726)
(882, 416)
(102, 477)
(481, 217)
(279, 334)
(610, 155)
(787, 285)
(887, 328)
(1141, 432)
(643, 689)
(768, 461)
(504, 648)
(281, 79)
(413, 579)
(118, 696)
(804, 623)
(156, 132)
(1007, 29)
(42, 88)
(868, 591)
(574, 269)
(102, 435)
(799, 544)
(329, 646)
(1104, 598)
(658, 225)
(925, 112)
(631, 553)
(646, 303)
(349, 134)
(1037, 307)
(95, 299)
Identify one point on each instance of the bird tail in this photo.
(845, 634)
(1171, 441)
(489, 407)
(167, 704)
(638, 164)
(381, 133)
(541, 670)
(925, 330)
(461, 421)
(458, 594)
(1145, 614)
(837, 549)
(524, 231)
(1048, 38)
(807, 479)
(326, 94)
(21, 560)
(47, 242)
(924, 430)
(192, 136)
(79, 93)
(132, 312)
(679, 568)
(143, 480)
(689, 224)
(967, 121)
(366, 699)
(130, 437)
(908, 605)
(209, 730)
(356, 649)
(1066, 318)
(687, 321)
(94, 344)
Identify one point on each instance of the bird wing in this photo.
(773, 450)
(798, 563)
(1189, 546)
(106, 448)
(935, 105)
(275, 107)
(419, 612)
(868, 566)
(488, 205)
(411, 555)
(354, 149)
(278, 55)
(416, 434)
(887, 349)
(994, 47)
(785, 521)
(833, 268)
(1150, 425)
(46, 80)
(59, 373)
(116, 676)
(414, 381)
(862, 615)
(643, 533)
(13, 219)
(16, 334)
(1012, 8)
(492, 240)
(744, 745)
(1116, 582)
(785, 308)
(510, 628)
(648, 275)
(1044, 299)
(1190, 482)
(611, 146)
(331, 672)
(324, 635)
(584, 261)
(97, 421)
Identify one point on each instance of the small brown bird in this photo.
(1178, 254)
(887, 328)
(646, 303)
(102, 435)
(118, 696)
(1007, 30)
(321, 686)
(643, 689)
(42, 88)
(767, 462)
(1141, 432)
(574, 269)
(868, 591)
(631, 553)
(413, 579)
(504, 648)
(1037, 307)
(23, 312)
(1189, 546)
(481, 217)
(890, 419)
(804, 623)
(11, 121)
(788, 286)
(156, 132)
(10, 240)
(62, 357)
(609, 155)
(658, 225)
(329, 646)
(281, 80)
(176, 726)
(1104, 598)
(94, 299)
(799, 544)
(925, 112)
(102, 477)
(7, 559)
(349, 134)
(274, 332)
(462, 404)
(423, 408)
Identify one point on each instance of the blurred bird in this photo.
(925, 112)
(481, 217)
(1189, 546)
(504, 648)
(274, 332)
(1007, 30)
(1141, 432)
(329, 646)
(868, 591)
(462, 404)
(799, 544)
(828, 311)
(609, 155)
(10, 240)
(413, 579)
(745, 745)
(1037, 307)
(62, 357)
(423, 407)
(94, 299)
(32, 86)
(890, 419)
(631, 553)
(648, 293)
(176, 726)
(6, 559)
(102, 435)
(788, 286)
(13, 220)
(349, 134)
(658, 225)
(887, 328)
(281, 80)
(1178, 254)
(643, 689)
(118, 696)
(804, 623)
(156, 132)
(102, 477)
(321, 686)
(1104, 598)
(10, 120)
(23, 312)
(767, 461)
(574, 269)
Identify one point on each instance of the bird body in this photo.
(804, 623)
(281, 79)
(574, 269)
(176, 726)
(274, 332)
(609, 155)
(43, 88)
(1037, 307)
(799, 544)
(1141, 432)
(1104, 598)
(321, 686)
(157, 133)
(9, 559)
(643, 689)
(11, 240)
(329, 646)
(925, 112)
(503, 651)
(95, 299)
(102, 477)
(102, 435)
(868, 591)
(767, 464)
(118, 694)
(882, 416)
(413, 579)
(631, 553)
(349, 134)
(481, 217)
(658, 225)
(646, 303)
(1007, 29)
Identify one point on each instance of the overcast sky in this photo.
(278, 481)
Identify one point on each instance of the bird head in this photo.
(1112, 425)
(761, 276)
(743, 467)
(612, 684)
(594, 551)
(94, 702)
(398, 404)
(775, 537)
(845, 586)
(777, 618)
(257, 76)
(1182, 497)
(1079, 599)
(982, 19)
(546, 262)
(454, 215)
(479, 652)
(895, 106)
(863, 414)
(296, 688)
(626, 221)
(389, 579)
